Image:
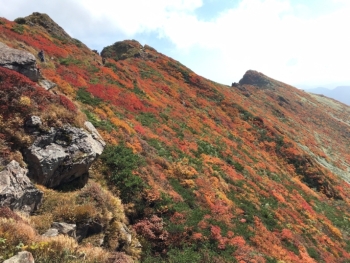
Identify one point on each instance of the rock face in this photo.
(20, 61)
(252, 77)
(63, 155)
(16, 190)
(21, 257)
(128, 49)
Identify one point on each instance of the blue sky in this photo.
(303, 43)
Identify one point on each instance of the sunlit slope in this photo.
(254, 171)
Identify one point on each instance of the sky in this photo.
(305, 43)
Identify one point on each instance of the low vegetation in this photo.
(198, 171)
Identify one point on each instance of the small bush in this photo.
(147, 119)
(67, 103)
(86, 98)
(20, 20)
(69, 61)
(6, 212)
(19, 29)
(313, 253)
(121, 162)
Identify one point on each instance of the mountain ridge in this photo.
(340, 93)
(253, 172)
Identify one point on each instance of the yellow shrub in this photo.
(182, 170)
(24, 101)
(122, 124)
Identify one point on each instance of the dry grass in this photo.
(91, 203)
(42, 222)
(19, 235)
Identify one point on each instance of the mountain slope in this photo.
(256, 172)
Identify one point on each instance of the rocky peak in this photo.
(255, 78)
(47, 23)
(127, 49)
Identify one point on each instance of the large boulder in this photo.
(63, 155)
(16, 190)
(20, 61)
(21, 257)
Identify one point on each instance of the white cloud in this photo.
(266, 36)
(283, 40)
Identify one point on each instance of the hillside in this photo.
(195, 170)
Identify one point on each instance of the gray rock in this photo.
(20, 61)
(124, 230)
(17, 191)
(86, 229)
(51, 232)
(33, 121)
(63, 155)
(47, 84)
(21, 257)
(91, 128)
(65, 229)
(61, 228)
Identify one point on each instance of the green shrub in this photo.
(20, 20)
(121, 162)
(313, 253)
(87, 98)
(291, 247)
(19, 29)
(147, 119)
(69, 60)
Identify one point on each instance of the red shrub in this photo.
(67, 103)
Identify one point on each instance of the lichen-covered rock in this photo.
(21, 257)
(17, 191)
(63, 155)
(20, 61)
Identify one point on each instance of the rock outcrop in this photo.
(61, 228)
(20, 61)
(86, 229)
(44, 21)
(21, 257)
(255, 78)
(47, 84)
(17, 191)
(127, 49)
(63, 155)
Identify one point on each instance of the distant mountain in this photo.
(341, 93)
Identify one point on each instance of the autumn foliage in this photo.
(256, 172)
